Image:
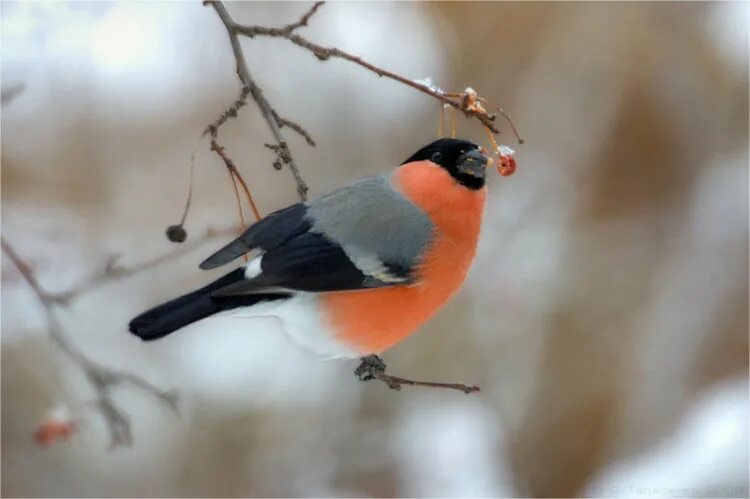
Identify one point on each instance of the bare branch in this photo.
(294, 126)
(250, 86)
(236, 174)
(111, 270)
(102, 379)
(326, 53)
(373, 367)
(26, 272)
(306, 17)
(231, 112)
(10, 92)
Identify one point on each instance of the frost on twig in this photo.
(466, 102)
(430, 85)
(326, 53)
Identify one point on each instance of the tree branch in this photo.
(373, 367)
(111, 270)
(249, 86)
(234, 172)
(303, 20)
(102, 379)
(326, 53)
(11, 92)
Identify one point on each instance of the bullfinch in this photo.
(356, 271)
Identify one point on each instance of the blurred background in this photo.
(605, 318)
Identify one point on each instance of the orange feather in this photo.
(374, 320)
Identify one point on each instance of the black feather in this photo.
(311, 262)
(446, 152)
(175, 314)
(266, 234)
(294, 258)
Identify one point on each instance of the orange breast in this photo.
(373, 320)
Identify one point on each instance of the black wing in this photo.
(294, 258)
(362, 236)
(266, 234)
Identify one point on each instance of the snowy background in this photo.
(606, 316)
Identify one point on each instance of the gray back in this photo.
(373, 223)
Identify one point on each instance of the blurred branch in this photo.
(10, 92)
(102, 379)
(373, 367)
(112, 271)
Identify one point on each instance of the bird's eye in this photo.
(436, 157)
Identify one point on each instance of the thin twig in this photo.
(306, 17)
(240, 211)
(231, 112)
(177, 233)
(249, 85)
(190, 190)
(233, 170)
(326, 53)
(373, 367)
(102, 379)
(394, 382)
(111, 270)
(294, 126)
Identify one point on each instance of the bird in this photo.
(352, 273)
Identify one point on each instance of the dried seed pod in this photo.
(176, 233)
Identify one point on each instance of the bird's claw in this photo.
(371, 366)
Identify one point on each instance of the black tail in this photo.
(175, 314)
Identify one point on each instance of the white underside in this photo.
(299, 317)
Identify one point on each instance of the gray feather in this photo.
(374, 223)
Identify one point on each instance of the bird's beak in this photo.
(472, 163)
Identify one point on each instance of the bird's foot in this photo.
(370, 368)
